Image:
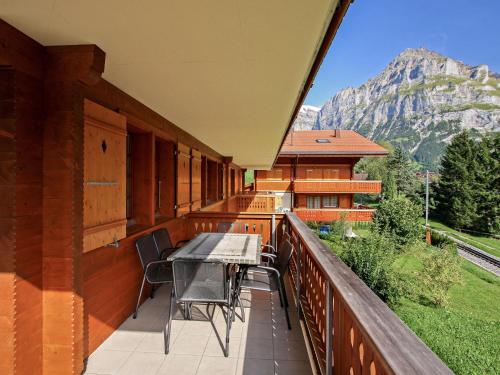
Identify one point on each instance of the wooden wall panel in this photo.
(195, 180)
(165, 179)
(20, 222)
(104, 214)
(183, 179)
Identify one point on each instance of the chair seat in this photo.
(260, 279)
(160, 273)
(204, 291)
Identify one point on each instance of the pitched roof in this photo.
(334, 142)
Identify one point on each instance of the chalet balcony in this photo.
(337, 186)
(333, 214)
(339, 326)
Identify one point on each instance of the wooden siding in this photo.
(324, 172)
(322, 186)
(195, 180)
(272, 185)
(334, 214)
(183, 179)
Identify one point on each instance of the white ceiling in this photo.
(227, 71)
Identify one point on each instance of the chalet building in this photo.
(120, 118)
(314, 175)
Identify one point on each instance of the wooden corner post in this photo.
(68, 70)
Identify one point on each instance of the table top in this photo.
(225, 247)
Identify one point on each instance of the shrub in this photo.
(398, 218)
(440, 272)
(440, 240)
(371, 259)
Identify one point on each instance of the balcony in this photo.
(332, 214)
(337, 186)
(339, 325)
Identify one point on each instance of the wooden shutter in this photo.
(195, 180)
(183, 202)
(104, 152)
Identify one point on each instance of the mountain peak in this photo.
(419, 101)
(419, 52)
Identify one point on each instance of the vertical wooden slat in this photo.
(329, 327)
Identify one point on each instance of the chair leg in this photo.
(241, 308)
(283, 302)
(285, 298)
(229, 320)
(153, 289)
(168, 329)
(139, 299)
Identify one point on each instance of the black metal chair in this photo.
(156, 270)
(201, 282)
(251, 278)
(164, 243)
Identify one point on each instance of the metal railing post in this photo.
(273, 231)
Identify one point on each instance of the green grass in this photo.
(489, 244)
(465, 334)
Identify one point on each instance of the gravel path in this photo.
(480, 262)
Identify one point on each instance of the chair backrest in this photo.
(284, 255)
(200, 281)
(162, 240)
(224, 227)
(146, 248)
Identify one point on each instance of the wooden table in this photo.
(224, 247)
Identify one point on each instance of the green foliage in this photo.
(400, 165)
(389, 188)
(371, 259)
(487, 184)
(440, 240)
(249, 177)
(440, 272)
(468, 192)
(398, 219)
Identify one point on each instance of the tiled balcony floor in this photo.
(260, 346)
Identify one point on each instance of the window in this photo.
(140, 176)
(313, 202)
(212, 181)
(330, 201)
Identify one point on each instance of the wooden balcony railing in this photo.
(337, 186)
(332, 214)
(351, 329)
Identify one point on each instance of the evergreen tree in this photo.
(389, 189)
(487, 184)
(403, 170)
(455, 191)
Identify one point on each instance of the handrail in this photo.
(395, 348)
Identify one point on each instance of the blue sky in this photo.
(375, 31)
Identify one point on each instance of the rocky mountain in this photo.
(419, 101)
(306, 118)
